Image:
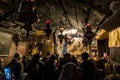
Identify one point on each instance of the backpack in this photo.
(71, 70)
(78, 73)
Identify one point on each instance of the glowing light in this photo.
(47, 21)
(73, 31)
(88, 25)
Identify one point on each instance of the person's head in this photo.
(24, 58)
(114, 6)
(105, 55)
(94, 54)
(67, 56)
(17, 56)
(85, 55)
(1, 62)
(36, 57)
(48, 54)
(52, 58)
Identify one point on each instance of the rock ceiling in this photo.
(62, 13)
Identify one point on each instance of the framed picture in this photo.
(5, 42)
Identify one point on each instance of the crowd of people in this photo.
(53, 67)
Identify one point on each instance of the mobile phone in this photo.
(7, 73)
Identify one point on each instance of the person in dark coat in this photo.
(17, 67)
(35, 69)
(88, 67)
(50, 69)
